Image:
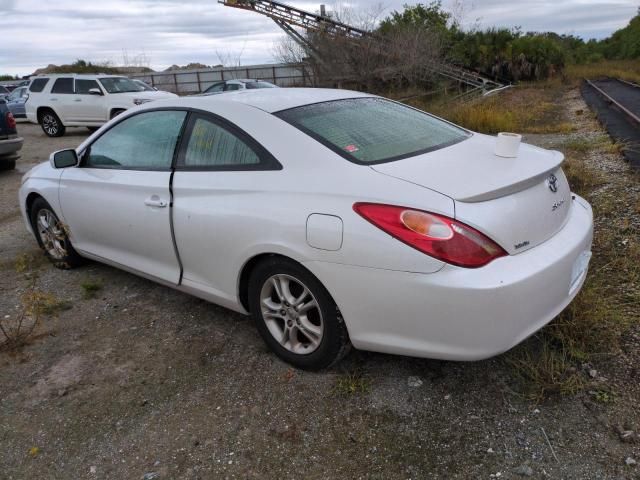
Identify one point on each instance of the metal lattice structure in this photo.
(284, 14)
(286, 17)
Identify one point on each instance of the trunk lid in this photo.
(511, 200)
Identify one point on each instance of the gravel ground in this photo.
(146, 382)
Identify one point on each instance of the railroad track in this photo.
(621, 94)
(617, 105)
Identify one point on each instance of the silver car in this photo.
(16, 100)
(237, 84)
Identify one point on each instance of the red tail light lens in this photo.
(11, 122)
(436, 235)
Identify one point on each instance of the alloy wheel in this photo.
(292, 314)
(52, 234)
(50, 124)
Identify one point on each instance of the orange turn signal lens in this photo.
(426, 224)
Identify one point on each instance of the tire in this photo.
(54, 241)
(7, 164)
(51, 124)
(116, 112)
(312, 340)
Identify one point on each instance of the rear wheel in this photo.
(51, 124)
(296, 316)
(52, 236)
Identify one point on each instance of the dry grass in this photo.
(522, 110)
(626, 69)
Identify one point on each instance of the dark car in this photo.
(10, 142)
(4, 91)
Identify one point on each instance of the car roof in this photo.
(75, 75)
(273, 99)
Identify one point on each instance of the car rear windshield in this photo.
(372, 130)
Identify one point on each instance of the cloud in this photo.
(166, 32)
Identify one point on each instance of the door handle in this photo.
(155, 201)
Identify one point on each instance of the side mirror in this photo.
(95, 91)
(64, 158)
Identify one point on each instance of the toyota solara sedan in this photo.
(333, 218)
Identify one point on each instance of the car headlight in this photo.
(140, 101)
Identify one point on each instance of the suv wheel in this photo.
(51, 124)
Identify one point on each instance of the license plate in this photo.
(579, 269)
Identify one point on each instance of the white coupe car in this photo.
(334, 218)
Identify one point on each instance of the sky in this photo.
(160, 33)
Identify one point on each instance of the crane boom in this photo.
(294, 16)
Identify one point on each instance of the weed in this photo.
(603, 395)
(90, 289)
(351, 383)
(35, 304)
(544, 369)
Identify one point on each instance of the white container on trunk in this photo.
(507, 144)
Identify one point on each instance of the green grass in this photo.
(90, 289)
(351, 383)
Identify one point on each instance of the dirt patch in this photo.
(143, 379)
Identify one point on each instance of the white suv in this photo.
(74, 100)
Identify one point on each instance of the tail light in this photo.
(11, 122)
(436, 235)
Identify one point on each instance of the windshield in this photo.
(373, 130)
(252, 85)
(120, 85)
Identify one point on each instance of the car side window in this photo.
(146, 141)
(230, 87)
(63, 85)
(83, 86)
(211, 145)
(38, 85)
(216, 87)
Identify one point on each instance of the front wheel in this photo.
(52, 236)
(296, 316)
(51, 124)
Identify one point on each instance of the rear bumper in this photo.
(463, 314)
(10, 145)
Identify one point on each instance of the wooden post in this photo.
(199, 86)
(175, 82)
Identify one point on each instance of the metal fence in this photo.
(196, 81)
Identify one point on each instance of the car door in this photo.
(16, 101)
(116, 203)
(214, 191)
(88, 107)
(61, 98)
